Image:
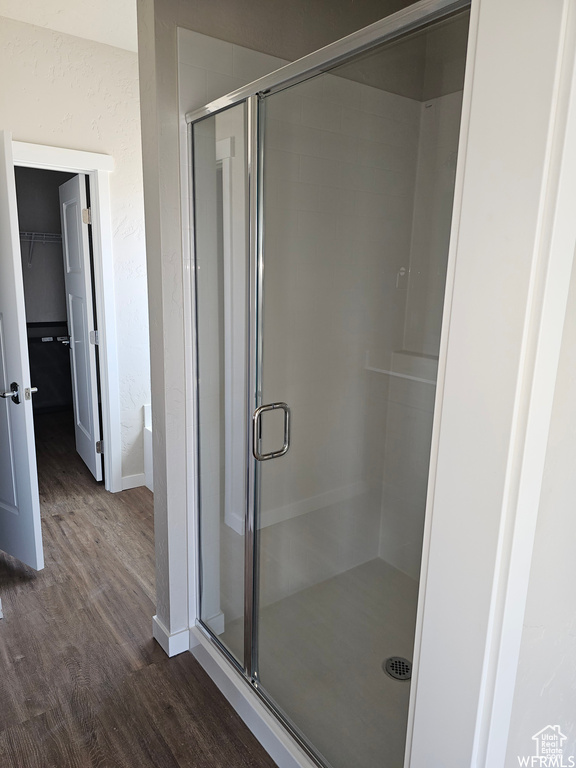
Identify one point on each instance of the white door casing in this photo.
(81, 328)
(97, 168)
(20, 527)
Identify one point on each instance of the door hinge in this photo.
(100, 446)
(94, 338)
(87, 215)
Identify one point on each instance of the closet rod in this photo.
(40, 237)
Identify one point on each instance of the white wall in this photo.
(506, 306)
(546, 683)
(112, 22)
(69, 92)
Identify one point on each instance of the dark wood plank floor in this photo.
(82, 683)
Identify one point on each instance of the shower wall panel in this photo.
(410, 405)
(438, 146)
(339, 189)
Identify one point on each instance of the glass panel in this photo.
(220, 214)
(358, 180)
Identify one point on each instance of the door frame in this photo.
(97, 167)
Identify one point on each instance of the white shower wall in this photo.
(410, 403)
(359, 186)
(339, 189)
(438, 145)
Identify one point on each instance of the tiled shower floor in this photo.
(321, 654)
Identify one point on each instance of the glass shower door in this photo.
(356, 190)
(221, 284)
(318, 309)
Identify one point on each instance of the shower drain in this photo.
(398, 668)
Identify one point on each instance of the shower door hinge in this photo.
(100, 446)
(87, 215)
(94, 338)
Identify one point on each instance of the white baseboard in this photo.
(270, 733)
(133, 481)
(148, 455)
(312, 503)
(173, 644)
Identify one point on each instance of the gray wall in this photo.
(285, 29)
(43, 272)
(38, 203)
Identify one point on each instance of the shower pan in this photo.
(322, 201)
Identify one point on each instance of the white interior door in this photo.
(20, 529)
(79, 307)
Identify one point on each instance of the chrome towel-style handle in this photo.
(256, 431)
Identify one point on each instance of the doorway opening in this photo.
(57, 269)
(96, 168)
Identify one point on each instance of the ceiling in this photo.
(112, 22)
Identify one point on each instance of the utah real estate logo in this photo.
(549, 750)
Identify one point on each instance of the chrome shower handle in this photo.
(256, 431)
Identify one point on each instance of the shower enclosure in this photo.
(322, 199)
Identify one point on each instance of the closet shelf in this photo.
(40, 237)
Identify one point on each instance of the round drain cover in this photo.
(398, 668)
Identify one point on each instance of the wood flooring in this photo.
(82, 683)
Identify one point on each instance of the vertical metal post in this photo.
(194, 436)
(254, 390)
